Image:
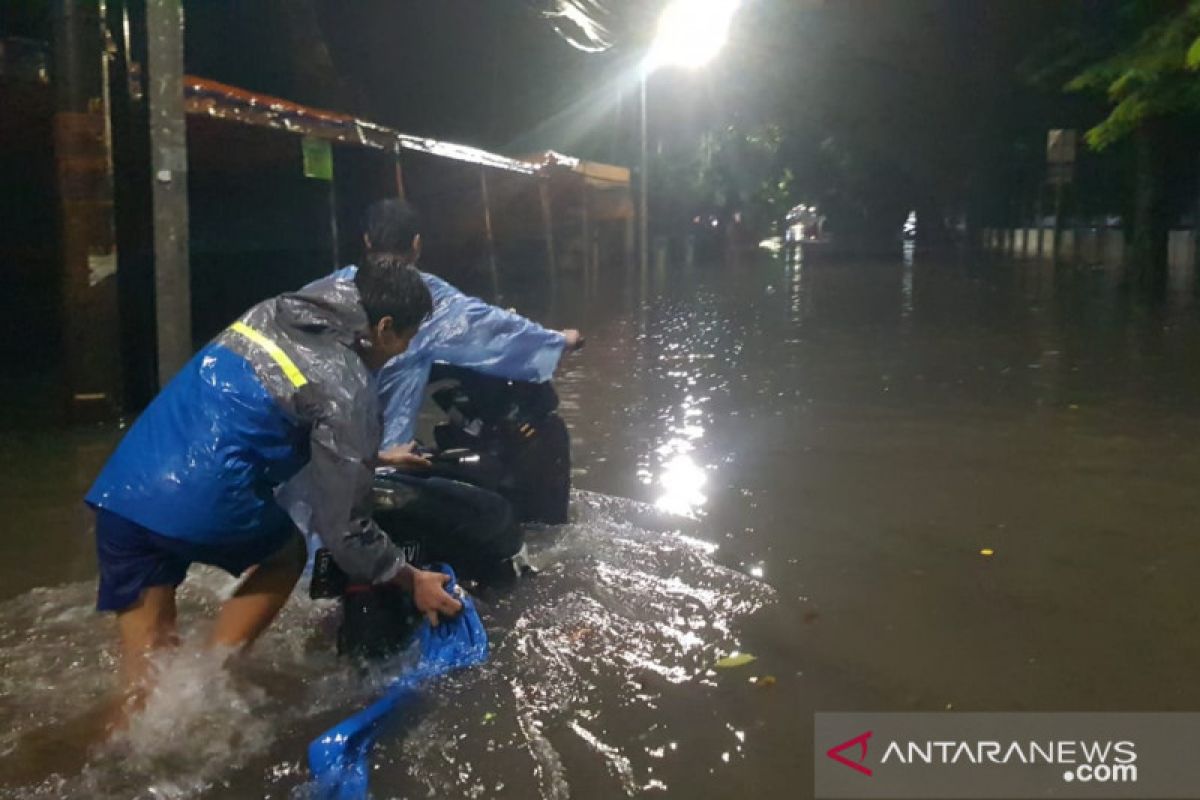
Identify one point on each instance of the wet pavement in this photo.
(925, 483)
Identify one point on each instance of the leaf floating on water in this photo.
(763, 681)
(488, 717)
(735, 660)
(987, 551)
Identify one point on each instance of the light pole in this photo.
(690, 33)
(643, 216)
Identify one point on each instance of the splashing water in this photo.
(592, 660)
(202, 719)
(626, 615)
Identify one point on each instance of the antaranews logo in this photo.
(903, 755)
(858, 743)
(1087, 761)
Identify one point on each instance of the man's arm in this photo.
(497, 342)
(466, 332)
(337, 493)
(402, 384)
(333, 493)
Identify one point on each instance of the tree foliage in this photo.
(1150, 74)
(735, 168)
(740, 170)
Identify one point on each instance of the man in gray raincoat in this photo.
(288, 387)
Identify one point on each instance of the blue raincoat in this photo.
(466, 332)
(280, 394)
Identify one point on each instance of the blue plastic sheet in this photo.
(340, 757)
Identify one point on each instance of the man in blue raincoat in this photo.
(287, 389)
(466, 332)
(462, 330)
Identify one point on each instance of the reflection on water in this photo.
(906, 283)
(682, 483)
(593, 663)
(680, 479)
(797, 293)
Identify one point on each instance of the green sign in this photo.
(318, 158)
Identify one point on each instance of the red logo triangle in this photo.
(860, 742)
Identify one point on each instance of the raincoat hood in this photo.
(330, 308)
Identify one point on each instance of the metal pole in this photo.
(548, 224)
(491, 239)
(400, 192)
(87, 235)
(1196, 230)
(168, 163)
(1037, 222)
(586, 220)
(643, 214)
(627, 244)
(333, 223)
(1057, 244)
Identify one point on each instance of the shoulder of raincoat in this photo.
(466, 332)
(279, 396)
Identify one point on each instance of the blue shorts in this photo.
(133, 558)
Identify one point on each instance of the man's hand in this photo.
(402, 456)
(429, 596)
(574, 339)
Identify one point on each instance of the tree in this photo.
(740, 171)
(1144, 68)
(1150, 75)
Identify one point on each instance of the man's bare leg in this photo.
(145, 628)
(260, 597)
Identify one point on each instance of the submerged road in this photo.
(921, 484)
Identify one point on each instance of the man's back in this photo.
(203, 460)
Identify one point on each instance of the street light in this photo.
(690, 34)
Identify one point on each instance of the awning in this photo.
(204, 97)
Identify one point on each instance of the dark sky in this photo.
(904, 91)
(468, 70)
(491, 72)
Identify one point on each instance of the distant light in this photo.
(691, 33)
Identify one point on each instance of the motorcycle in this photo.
(502, 459)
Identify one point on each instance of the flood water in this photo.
(849, 438)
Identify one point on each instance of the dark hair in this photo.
(391, 225)
(389, 287)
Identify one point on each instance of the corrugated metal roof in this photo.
(220, 101)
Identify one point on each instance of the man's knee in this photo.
(149, 622)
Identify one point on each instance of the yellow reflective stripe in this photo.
(273, 350)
